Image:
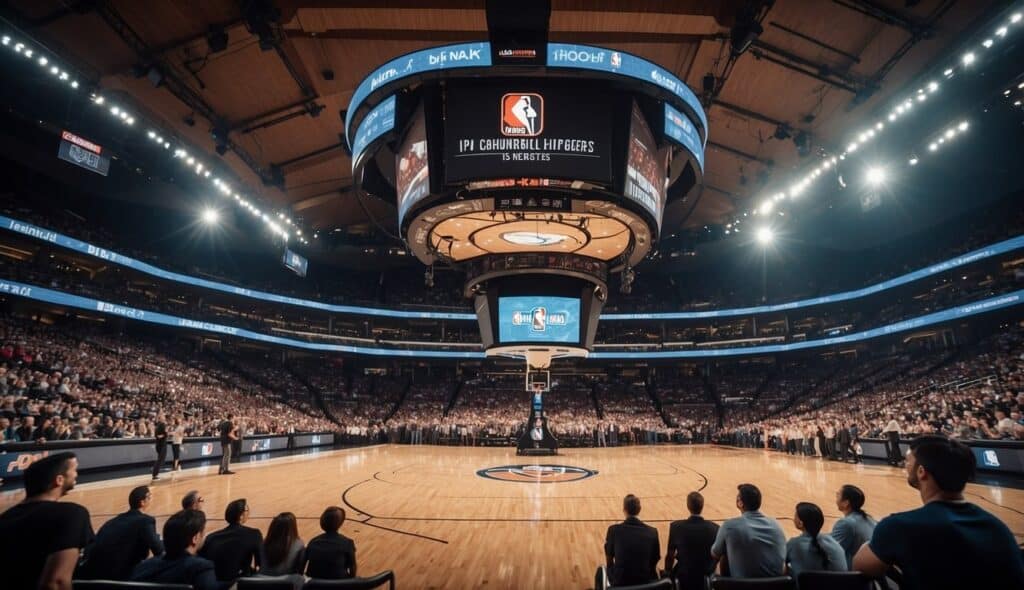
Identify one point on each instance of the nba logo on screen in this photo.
(522, 114)
(990, 459)
(540, 319)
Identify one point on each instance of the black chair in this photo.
(778, 583)
(833, 581)
(662, 584)
(387, 576)
(291, 582)
(116, 585)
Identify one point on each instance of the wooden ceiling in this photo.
(843, 46)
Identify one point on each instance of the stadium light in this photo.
(765, 236)
(210, 216)
(875, 176)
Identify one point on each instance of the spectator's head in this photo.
(54, 475)
(939, 467)
(849, 499)
(631, 505)
(184, 533)
(138, 498)
(283, 532)
(695, 503)
(809, 518)
(332, 519)
(748, 497)
(192, 501)
(237, 511)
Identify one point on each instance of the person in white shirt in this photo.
(177, 437)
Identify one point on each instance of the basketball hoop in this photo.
(538, 357)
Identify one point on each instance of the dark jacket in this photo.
(331, 556)
(635, 550)
(188, 569)
(690, 541)
(121, 543)
(233, 550)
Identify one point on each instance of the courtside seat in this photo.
(386, 576)
(777, 583)
(601, 582)
(833, 581)
(117, 585)
(291, 582)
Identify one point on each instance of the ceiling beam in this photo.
(312, 158)
(815, 41)
(434, 36)
(883, 14)
(319, 199)
(739, 153)
(749, 113)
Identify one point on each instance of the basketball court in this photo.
(458, 517)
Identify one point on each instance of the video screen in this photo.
(295, 262)
(413, 173)
(538, 319)
(646, 167)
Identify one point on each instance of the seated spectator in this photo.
(753, 545)
(192, 501)
(813, 551)
(283, 549)
(855, 527)
(331, 556)
(183, 536)
(123, 541)
(948, 542)
(234, 548)
(689, 546)
(631, 548)
(41, 538)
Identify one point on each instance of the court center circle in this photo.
(537, 473)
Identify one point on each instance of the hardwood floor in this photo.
(426, 513)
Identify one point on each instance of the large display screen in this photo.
(295, 262)
(646, 167)
(376, 123)
(412, 171)
(513, 128)
(538, 319)
(680, 129)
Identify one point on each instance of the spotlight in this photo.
(968, 58)
(6, 40)
(1015, 18)
(54, 70)
(28, 53)
(43, 61)
(1001, 32)
(74, 83)
(765, 236)
(875, 176)
(210, 216)
(933, 86)
(950, 133)
(766, 206)
(986, 43)
(913, 160)
(962, 126)
(933, 146)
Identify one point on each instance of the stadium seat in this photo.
(833, 581)
(601, 582)
(387, 576)
(777, 583)
(116, 585)
(292, 582)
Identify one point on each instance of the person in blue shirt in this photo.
(948, 542)
(812, 551)
(184, 533)
(855, 527)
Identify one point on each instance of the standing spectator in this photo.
(234, 548)
(812, 551)
(948, 542)
(161, 446)
(855, 527)
(227, 437)
(177, 438)
(283, 549)
(689, 546)
(331, 556)
(41, 538)
(892, 441)
(753, 545)
(631, 548)
(183, 536)
(123, 541)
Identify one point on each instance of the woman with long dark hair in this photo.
(813, 551)
(282, 549)
(855, 527)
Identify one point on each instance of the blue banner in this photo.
(538, 319)
(586, 57)
(70, 243)
(446, 57)
(65, 299)
(376, 123)
(680, 129)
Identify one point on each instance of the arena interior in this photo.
(489, 294)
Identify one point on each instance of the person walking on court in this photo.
(228, 435)
(161, 446)
(177, 438)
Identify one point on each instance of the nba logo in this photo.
(616, 59)
(989, 458)
(522, 114)
(206, 450)
(540, 316)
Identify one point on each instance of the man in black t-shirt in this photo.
(227, 436)
(161, 445)
(331, 556)
(948, 542)
(41, 538)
